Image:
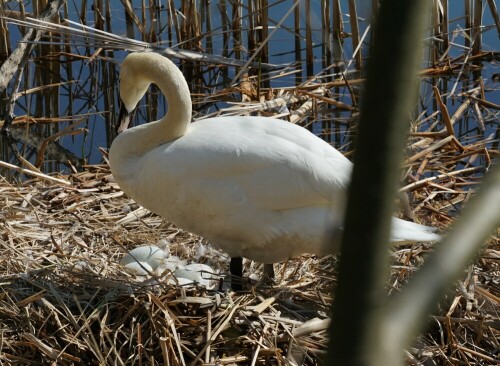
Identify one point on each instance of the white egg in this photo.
(172, 263)
(150, 254)
(198, 273)
(139, 268)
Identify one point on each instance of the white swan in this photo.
(256, 187)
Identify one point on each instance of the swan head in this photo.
(133, 86)
(138, 71)
(133, 81)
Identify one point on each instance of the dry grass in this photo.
(65, 299)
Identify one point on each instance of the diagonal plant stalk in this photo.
(368, 328)
(101, 38)
(405, 314)
(18, 58)
(379, 151)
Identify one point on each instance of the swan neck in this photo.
(174, 87)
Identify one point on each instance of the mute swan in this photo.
(256, 187)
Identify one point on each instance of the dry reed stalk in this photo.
(263, 33)
(208, 28)
(317, 94)
(68, 65)
(34, 173)
(129, 11)
(444, 112)
(326, 34)
(445, 31)
(143, 20)
(83, 11)
(68, 131)
(494, 14)
(195, 29)
(476, 27)
(236, 29)
(423, 182)
(99, 14)
(245, 109)
(353, 17)
(129, 21)
(439, 30)
(4, 36)
(225, 27)
(338, 30)
(297, 45)
(468, 22)
(251, 31)
(22, 120)
(108, 85)
(153, 22)
(107, 15)
(309, 47)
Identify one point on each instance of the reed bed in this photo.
(65, 224)
(66, 299)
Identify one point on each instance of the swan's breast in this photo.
(244, 186)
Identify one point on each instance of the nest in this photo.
(66, 300)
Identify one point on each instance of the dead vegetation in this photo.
(65, 300)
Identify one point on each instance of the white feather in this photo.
(256, 187)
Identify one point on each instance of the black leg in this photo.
(236, 270)
(269, 272)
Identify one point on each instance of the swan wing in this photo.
(268, 164)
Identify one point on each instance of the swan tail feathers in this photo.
(407, 232)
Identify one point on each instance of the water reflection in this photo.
(67, 102)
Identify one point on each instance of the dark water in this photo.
(88, 75)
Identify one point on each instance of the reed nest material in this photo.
(66, 300)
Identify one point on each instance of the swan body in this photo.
(256, 187)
